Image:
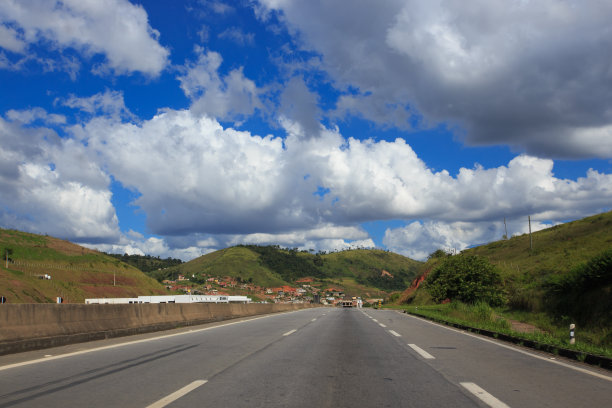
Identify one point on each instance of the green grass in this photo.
(481, 316)
(559, 328)
(360, 262)
(556, 250)
(77, 273)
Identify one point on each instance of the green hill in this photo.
(565, 277)
(556, 251)
(366, 266)
(358, 271)
(235, 261)
(76, 272)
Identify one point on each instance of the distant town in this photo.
(307, 290)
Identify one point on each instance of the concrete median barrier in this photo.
(35, 326)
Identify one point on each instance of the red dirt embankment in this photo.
(414, 286)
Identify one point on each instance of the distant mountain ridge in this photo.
(272, 266)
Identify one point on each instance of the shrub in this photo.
(438, 253)
(483, 312)
(468, 279)
(584, 293)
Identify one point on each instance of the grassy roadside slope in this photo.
(76, 272)
(557, 252)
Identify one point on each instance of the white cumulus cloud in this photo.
(117, 29)
(194, 177)
(202, 186)
(50, 185)
(230, 97)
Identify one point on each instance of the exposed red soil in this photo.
(414, 286)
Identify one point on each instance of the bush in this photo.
(383, 282)
(584, 293)
(438, 253)
(468, 279)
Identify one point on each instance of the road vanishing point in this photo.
(321, 357)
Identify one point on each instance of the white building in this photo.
(172, 299)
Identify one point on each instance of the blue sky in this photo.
(178, 128)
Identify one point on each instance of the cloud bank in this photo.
(531, 75)
(534, 76)
(198, 181)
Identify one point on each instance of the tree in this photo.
(6, 254)
(438, 253)
(469, 279)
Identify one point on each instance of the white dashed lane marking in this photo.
(421, 352)
(177, 394)
(483, 395)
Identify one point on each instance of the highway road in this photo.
(319, 357)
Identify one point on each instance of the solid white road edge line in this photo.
(177, 394)
(422, 352)
(579, 369)
(483, 395)
(129, 343)
(290, 332)
(396, 334)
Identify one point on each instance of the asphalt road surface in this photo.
(320, 357)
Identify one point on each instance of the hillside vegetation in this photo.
(235, 262)
(358, 271)
(147, 263)
(556, 251)
(565, 278)
(76, 272)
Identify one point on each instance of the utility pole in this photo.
(505, 229)
(530, 237)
